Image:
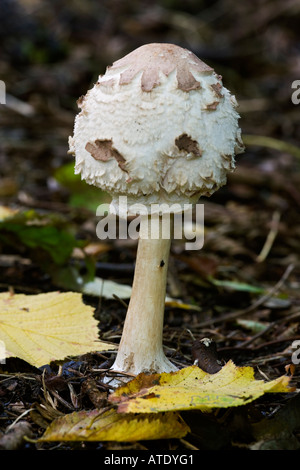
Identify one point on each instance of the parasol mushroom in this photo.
(160, 129)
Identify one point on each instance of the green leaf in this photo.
(271, 142)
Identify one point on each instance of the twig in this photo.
(19, 418)
(271, 142)
(120, 300)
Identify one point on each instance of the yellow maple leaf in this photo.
(49, 326)
(192, 388)
(112, 426)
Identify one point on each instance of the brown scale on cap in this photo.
(80, 101)
(152, 59)
(104, 151)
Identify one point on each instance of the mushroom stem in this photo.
(141, 348)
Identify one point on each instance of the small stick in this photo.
(270, 238)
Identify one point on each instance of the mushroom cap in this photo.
(157, 127)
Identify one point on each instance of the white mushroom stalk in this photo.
(160, 128)
(141, 346)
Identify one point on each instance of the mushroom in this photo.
(157, 130)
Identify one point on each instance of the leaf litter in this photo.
(46, 327)
(241, 276)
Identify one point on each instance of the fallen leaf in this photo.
(191, 388)
(45, 327)
(238, 286)
(6, 212)
(254, 326)
(112, 426)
